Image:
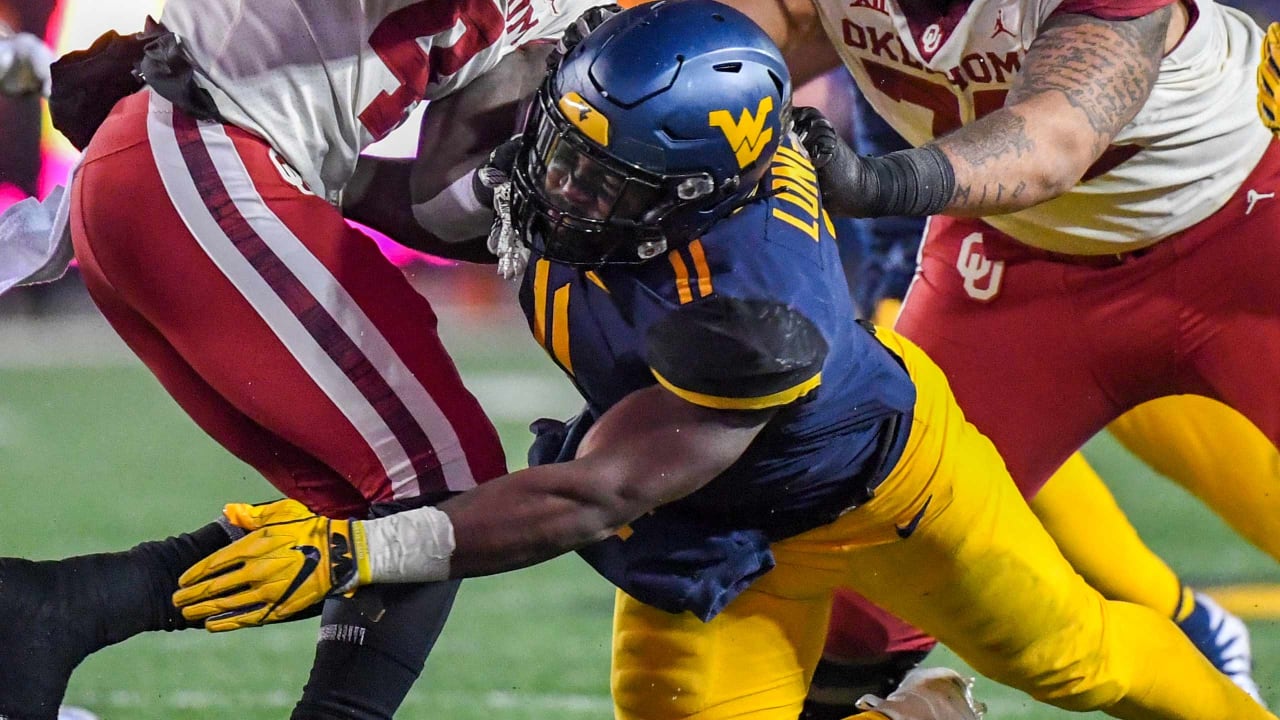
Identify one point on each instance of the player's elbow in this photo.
(623, 491)
(1051, 183)
(1064, 167)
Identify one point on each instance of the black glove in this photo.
(842, 174)
(913, 183)
(582, 27)
(496, 170)
(555, 441)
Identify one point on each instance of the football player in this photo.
(1204, 446)
(746, 446)
(1060, 241)
(206, 219)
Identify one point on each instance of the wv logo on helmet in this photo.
(747, 135)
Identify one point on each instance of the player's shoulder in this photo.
(736, 353)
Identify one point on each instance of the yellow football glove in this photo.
(251, 517)
(279, 569)
(1269, 80)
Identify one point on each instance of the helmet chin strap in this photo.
(504, 241)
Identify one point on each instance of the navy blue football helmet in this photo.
(659, 123)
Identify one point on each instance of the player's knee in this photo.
(658, 675)
(657, 695)
(1070, 669)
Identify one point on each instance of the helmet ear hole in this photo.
(695, 187)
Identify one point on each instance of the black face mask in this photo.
(575, 204)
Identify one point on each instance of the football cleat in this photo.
(1224, 639)
(928, 694)
(70, 712)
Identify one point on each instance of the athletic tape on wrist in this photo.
(412, 546)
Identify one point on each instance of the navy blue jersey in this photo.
(843, 408)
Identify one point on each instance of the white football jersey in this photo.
(320, 80)
(1189, 148)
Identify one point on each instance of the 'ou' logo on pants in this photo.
(981, 275)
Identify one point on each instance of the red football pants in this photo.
(280, 330)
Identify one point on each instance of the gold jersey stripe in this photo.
(777, 399)
(682, 277)
(699, 255)
(541, 271)
(595, 278)
(560, 330)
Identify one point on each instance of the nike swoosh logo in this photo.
(904, 531)
(310, 561)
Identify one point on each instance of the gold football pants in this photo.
(977, 570)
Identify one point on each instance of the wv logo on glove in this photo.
(291, 561)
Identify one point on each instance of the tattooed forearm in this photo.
(1004, 193)
(1003, 137)
(1105, 69)
(1082, 80)
(993, 194)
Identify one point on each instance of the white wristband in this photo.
(412, 546)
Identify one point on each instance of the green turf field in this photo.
(97, 458)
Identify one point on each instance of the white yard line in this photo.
(189, 700)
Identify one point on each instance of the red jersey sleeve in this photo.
(1113, 9)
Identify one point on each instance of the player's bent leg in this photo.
(1096, 537)
(983, 576)
(274, 278)
(373, 647)
(55, 613)
(751, 661)
(415, 431)
(1217, 455)
(754, 659)
(294, 473)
